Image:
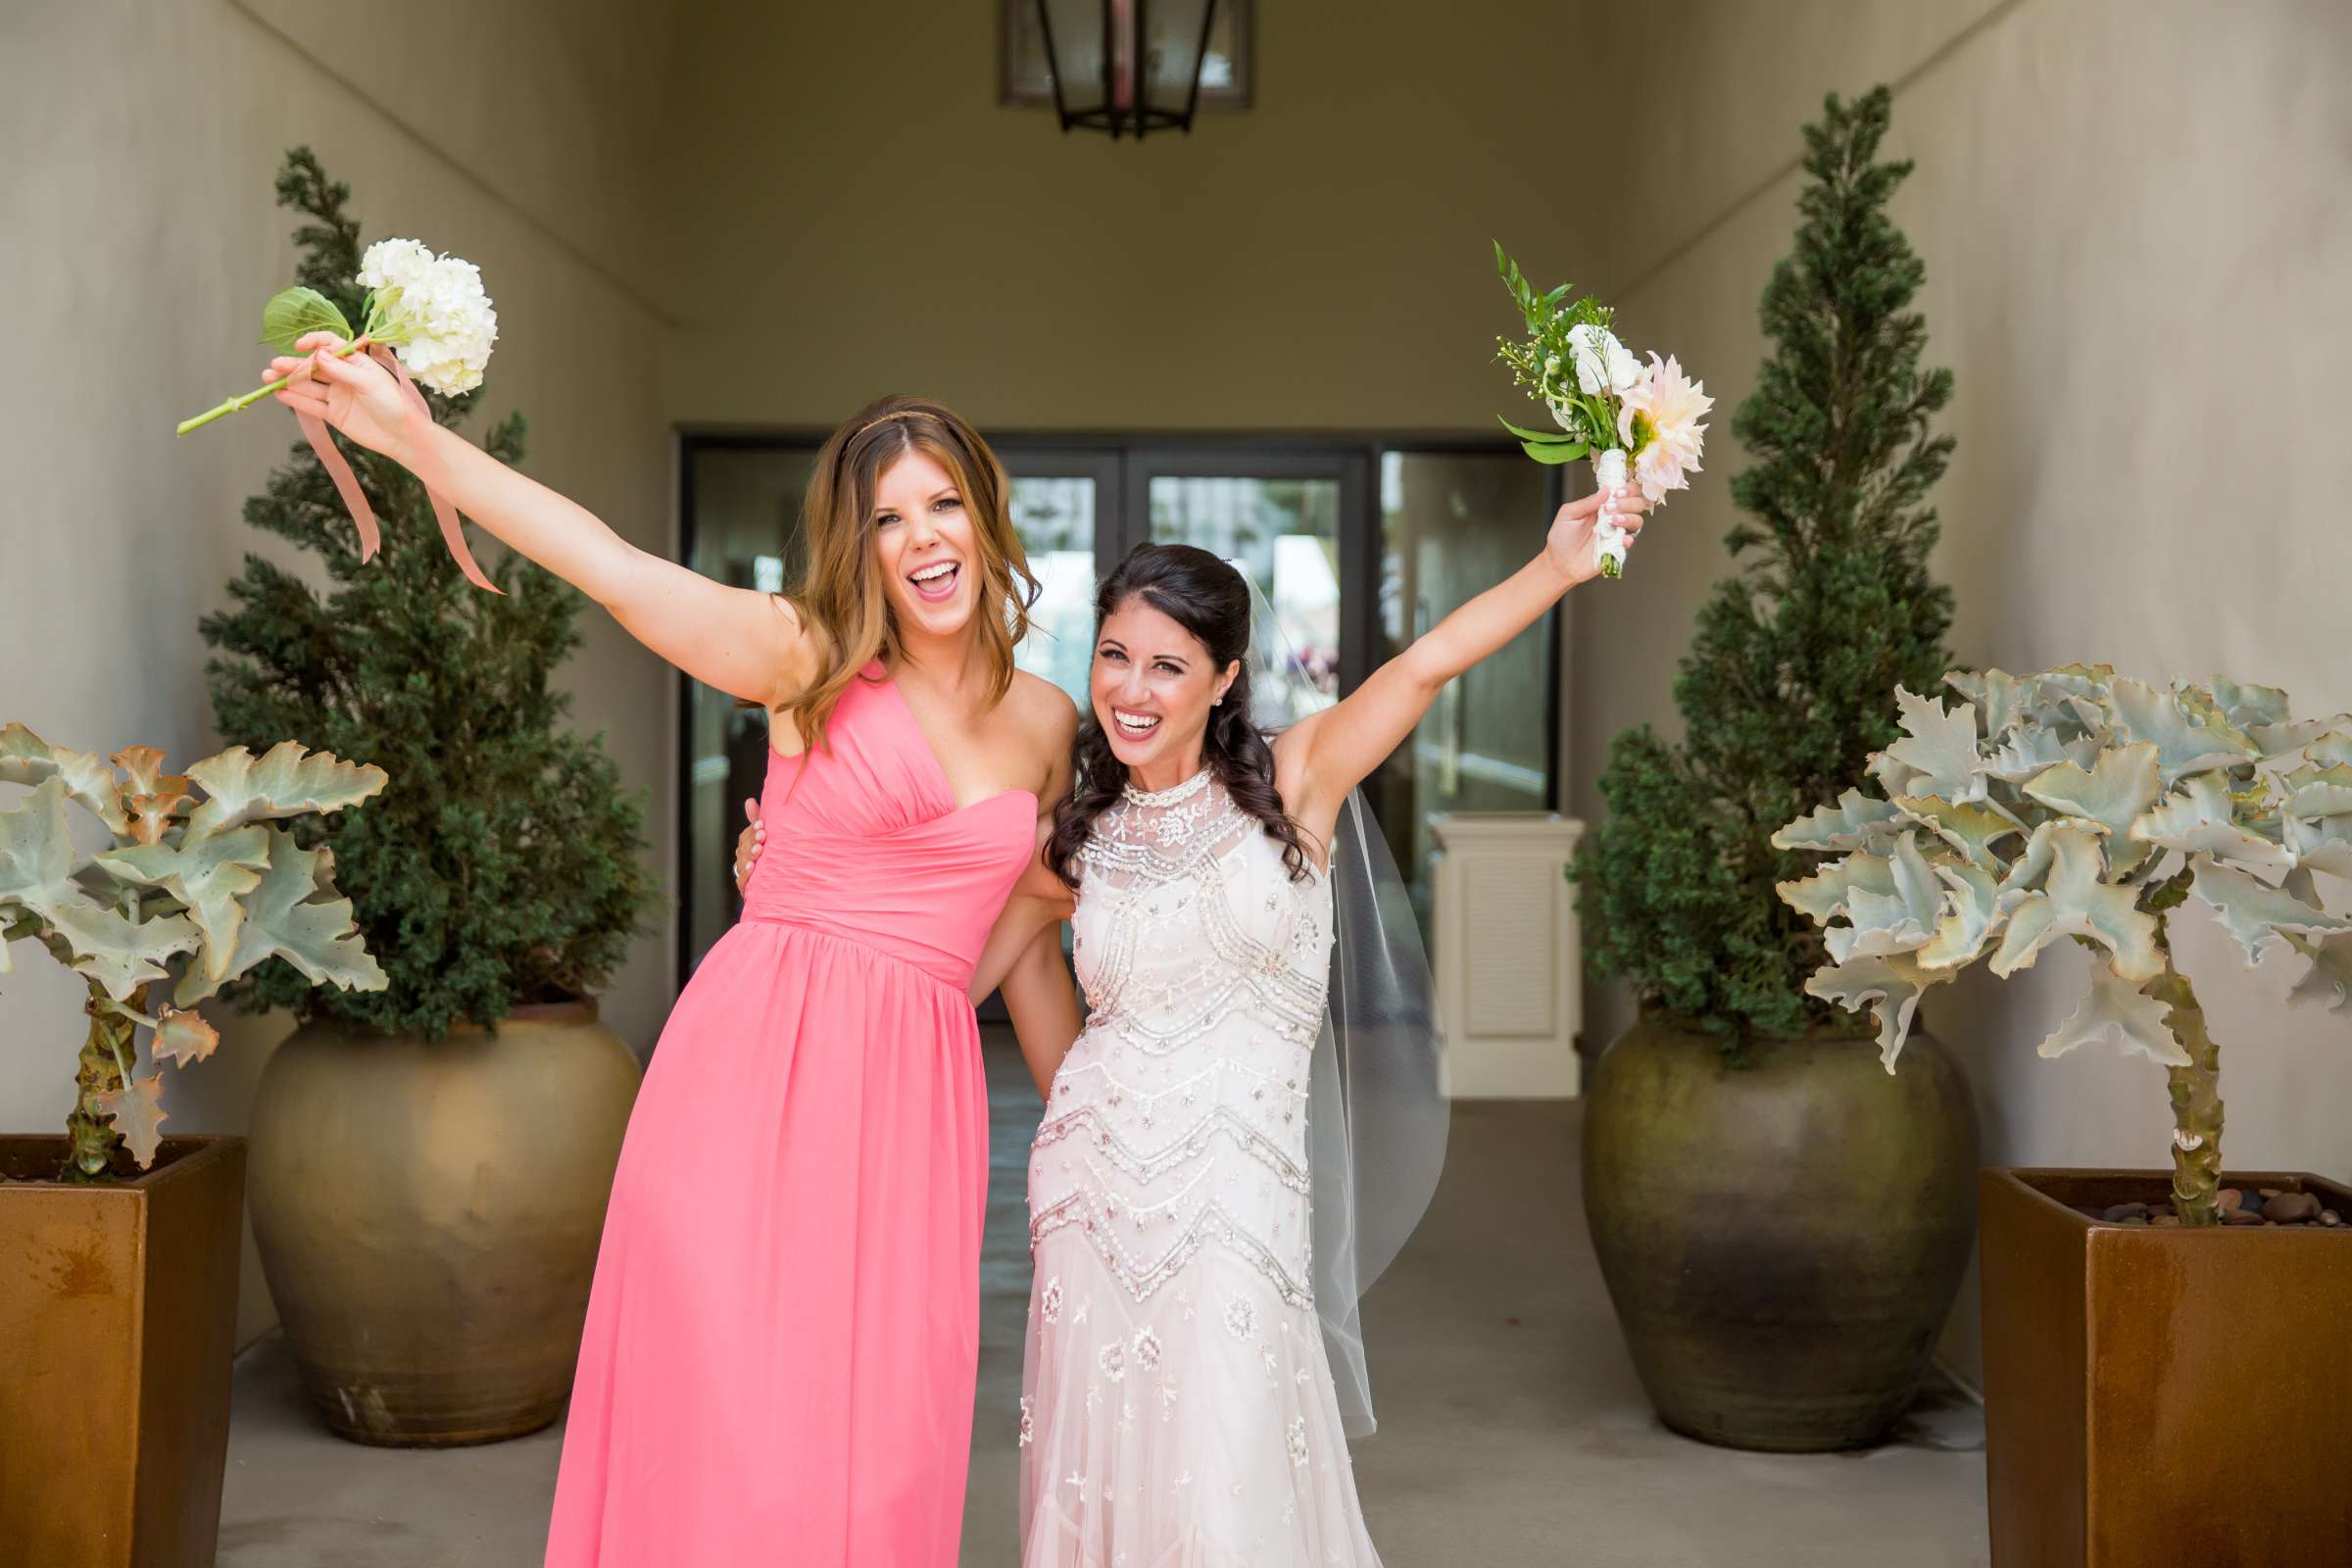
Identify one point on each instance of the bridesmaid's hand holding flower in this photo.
(356, 395)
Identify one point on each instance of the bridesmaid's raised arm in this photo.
(746, 644)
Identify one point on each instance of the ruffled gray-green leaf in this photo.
(2255, 913)
(2117, 1010)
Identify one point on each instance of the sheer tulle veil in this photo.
(1377, 1118)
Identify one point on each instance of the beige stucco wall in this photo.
(2136, 219)
(140, 239)
(856, 215)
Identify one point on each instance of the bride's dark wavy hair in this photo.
(1209, 600)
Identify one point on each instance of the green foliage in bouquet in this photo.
(502, 865)
(199, 881)
(2078, 804)
(1544, 365)
(1789, 686)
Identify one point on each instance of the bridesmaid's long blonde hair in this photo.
(841, 595)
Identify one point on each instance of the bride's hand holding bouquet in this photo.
(1639, 424)
(1584, 530)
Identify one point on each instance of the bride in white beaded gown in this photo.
(1180, 1405)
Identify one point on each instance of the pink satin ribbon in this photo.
(433, 475)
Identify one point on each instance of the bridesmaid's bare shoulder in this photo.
(1047, 720)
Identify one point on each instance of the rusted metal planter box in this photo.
(2163, 1394)
(118, 1324)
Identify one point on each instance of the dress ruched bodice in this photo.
(866, 842)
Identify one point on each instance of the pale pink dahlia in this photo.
(1659, 421)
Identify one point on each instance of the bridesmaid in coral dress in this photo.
(781, 1341)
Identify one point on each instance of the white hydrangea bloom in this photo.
(394, 264)
(440, 319)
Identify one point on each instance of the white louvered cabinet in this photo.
(1509, 964)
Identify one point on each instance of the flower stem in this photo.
(245, 400)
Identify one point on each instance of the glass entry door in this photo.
(1283, 517)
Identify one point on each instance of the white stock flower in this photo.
(1602, 362)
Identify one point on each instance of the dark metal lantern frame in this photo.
(1139, 115)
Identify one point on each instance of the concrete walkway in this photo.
(1512, 1428)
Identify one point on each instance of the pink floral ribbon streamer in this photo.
(435, 478)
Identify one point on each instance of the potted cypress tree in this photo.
(1782, 1226)
(430, 1161)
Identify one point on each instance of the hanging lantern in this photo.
(1127, 67)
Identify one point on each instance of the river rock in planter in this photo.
(2289, 1208)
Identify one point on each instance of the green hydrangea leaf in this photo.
(293, 313)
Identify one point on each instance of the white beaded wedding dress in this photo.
(1179, 1410)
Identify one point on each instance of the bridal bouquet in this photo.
(425, 315)
(1637, 423)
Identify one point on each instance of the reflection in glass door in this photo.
(1452, 524)
(1280, 518)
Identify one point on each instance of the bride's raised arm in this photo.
(1325, 754)
(750, 644)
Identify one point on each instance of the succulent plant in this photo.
(2081, 803)
(195, 887)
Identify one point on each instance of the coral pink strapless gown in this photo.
(782, 1338)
